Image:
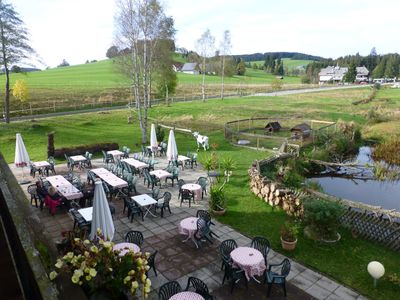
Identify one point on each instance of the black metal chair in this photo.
(165, 204)
(169, 289)
(202, 232)
(135, 237)
(32, 191)
(261, 244)
(199, 287)
(187, 195)
(79, 220)
(277, 277)
(225, 249)
(233, 274)
(181, 182)
(151, 263)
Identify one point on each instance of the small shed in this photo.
(301, 130)
(273, 127)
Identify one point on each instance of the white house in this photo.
(336, 74)
(190, 68)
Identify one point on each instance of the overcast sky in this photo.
(77, 30)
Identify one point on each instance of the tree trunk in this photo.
(7, 97)
(203, 91)
(222, 77)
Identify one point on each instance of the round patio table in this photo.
(187, 296)
(188, 227)
(250, 260)
(193, 187)
(125, 247)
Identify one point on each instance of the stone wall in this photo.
(275, 194)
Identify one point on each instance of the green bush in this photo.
(217, 198)
(323, 217)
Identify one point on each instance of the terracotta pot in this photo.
(288, 246)
(219, 212)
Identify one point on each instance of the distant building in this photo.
(177, 66)
(302, 130)
(273, 127)
(190, 68)
(336, 74)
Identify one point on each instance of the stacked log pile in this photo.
(275, 194)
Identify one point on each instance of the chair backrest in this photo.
(202, 228)
(186, 194)
(167, 197)
(203, 182)
(155, 193)
(175, 171)
(198, 285)
(181, 182)
(51, 160)
(135, 237)
(227, 247)
(152, 258)
(285, 267)
(32, 189)
(261, 244)
(169, 289)
(204, 215)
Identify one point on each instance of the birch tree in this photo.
(140, 26)
(14, 46)
(225, 49)
(205, 47)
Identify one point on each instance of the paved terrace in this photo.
(177, 260)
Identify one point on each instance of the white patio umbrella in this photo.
(101, 216)
(153, 138)
(21, 158)
(172, 150)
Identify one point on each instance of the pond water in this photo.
(373, 192)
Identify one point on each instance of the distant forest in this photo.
(379, 66)
(276, 55)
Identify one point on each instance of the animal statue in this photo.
(201, 140)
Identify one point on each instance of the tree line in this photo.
(379, 66)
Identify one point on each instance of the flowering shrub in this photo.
(96, 266)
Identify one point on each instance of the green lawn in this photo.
(345, 262)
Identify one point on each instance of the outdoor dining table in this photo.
(135, 163)
(188, 227)
(187, 296)
(182, 158)
(160, 174)
(250, 260)
(115, 153)
(64, 187)
(193, 187)
(125, 247)
(41, 165)
(86, 213)
(110, 178)
(146, 202)
(78, 158)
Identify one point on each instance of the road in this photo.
(278, 93)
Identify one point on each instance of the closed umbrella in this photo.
(153, 138)
(101, 216)
(172, 150)
(21, 159)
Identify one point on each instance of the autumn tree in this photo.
(241, 68)
(225, 49)
(20, 90)
(14, 46)
(140, 26)
(205, 47)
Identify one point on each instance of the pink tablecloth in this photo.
(193, 187)
(188, 227)
(160, 174)
(186, 296)
(125, 247)
(64, 187)
(250, 260)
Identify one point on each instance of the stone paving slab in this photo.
(178, 261)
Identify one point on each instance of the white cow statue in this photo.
(201, 140)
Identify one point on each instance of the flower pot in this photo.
(288, 246)
(219, 212)
(338, 237)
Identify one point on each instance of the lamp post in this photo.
(376, 270)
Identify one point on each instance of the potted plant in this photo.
(289, 231)
(102, 272)
(322, 219)
(228, 165)
(217, 199)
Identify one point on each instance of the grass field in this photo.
(345, 262)
(289, 63)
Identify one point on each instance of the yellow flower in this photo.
(148, 282)
(127, 279)
(75, 279)
(147, 268)
(147, 289)
(53, 275)
(110, 269)
(131, 272)
(139, 261)
(87, 270)
(59, 264)
(98, 231)
(94, 249)
(88, 277)
(77, 239)
(80, 282)
(86, 254)
(107, 245)
(143, 278)
(92, 272)
(86, 242)
(135, 284)
(147, 254)
(78, 273)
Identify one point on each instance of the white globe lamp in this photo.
(376, 270)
